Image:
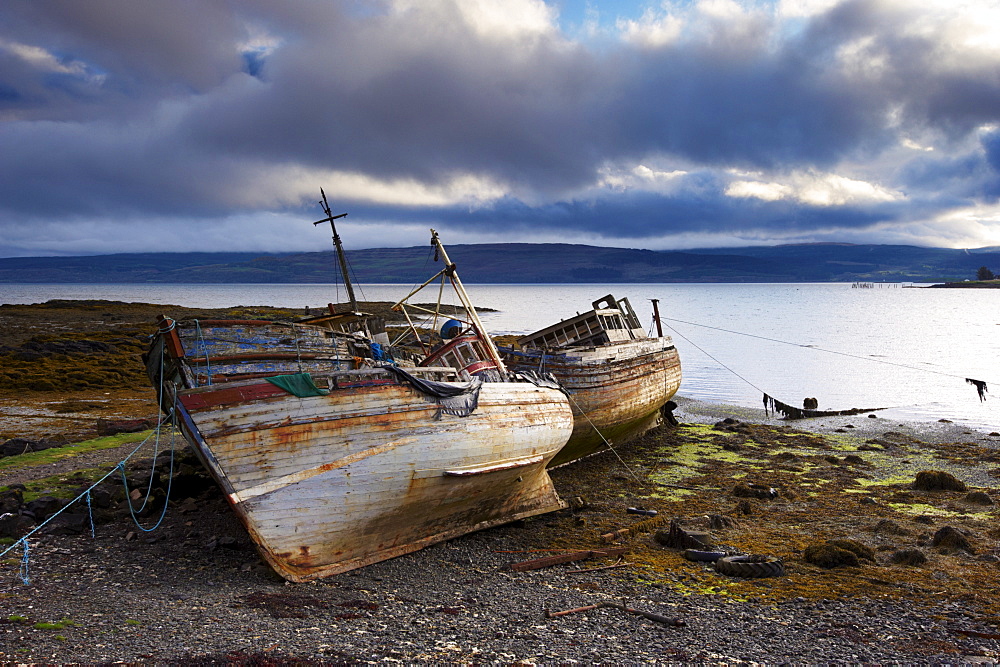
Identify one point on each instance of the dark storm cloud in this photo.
(632, 217)
(119, 110)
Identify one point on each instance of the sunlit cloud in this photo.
(44, 60)
(814, 189)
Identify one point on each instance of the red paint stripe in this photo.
(229, 396)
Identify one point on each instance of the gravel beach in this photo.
(195, 591)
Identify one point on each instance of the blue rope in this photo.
(204, 348)
(170, 482)
(90, 513)
(23, 572)
(23, 542)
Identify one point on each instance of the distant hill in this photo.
(523, 263)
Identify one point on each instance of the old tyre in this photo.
(750, 567)
(703, 556)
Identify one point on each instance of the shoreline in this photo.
(861, 425)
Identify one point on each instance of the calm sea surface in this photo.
(902, 348)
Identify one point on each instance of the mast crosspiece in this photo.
(330, 217)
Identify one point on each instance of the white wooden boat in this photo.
(618, 378)
(334, 459)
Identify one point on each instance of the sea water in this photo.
(909, 349)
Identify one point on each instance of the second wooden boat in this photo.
(618, 378)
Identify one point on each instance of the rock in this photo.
(107, 427)
(889, 527)
(44, 507)
(828, 556)
(978, 498)
(744, 490)
(11, 501)
(908, 557)
(937, 480)
(948, 539)
(862, 551)
(67, 524)
(836, 553)
(720, 522)
(15, 526)
(16, 446)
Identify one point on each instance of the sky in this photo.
(147, 126)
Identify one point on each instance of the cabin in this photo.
(611, 321)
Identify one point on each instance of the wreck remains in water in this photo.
(337, 451)
(618, 378)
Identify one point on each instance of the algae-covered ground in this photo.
(826, 487)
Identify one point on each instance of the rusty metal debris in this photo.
(538, 563)
(658, 618)
(678, 537)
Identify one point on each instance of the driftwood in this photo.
(598, 569)
(641, 527)
(548, 561)
(665, 620)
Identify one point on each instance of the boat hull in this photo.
(326, 484)
(616, 390)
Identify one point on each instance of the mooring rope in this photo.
(703, 351)
(606, 442)
(23, 570)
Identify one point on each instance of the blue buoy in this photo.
(451, 328)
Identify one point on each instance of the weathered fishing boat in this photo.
(334, 454)
(618, 378)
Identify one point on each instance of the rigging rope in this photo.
(811, 347)
(703, 351)
(204, 347)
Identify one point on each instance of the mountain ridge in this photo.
(522, 263)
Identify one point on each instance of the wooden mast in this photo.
(340, 249)
(449, 270)
(656, 317)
